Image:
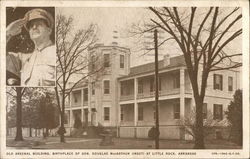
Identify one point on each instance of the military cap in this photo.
(39, 14)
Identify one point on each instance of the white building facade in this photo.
(122, 97)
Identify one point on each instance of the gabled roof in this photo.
(176, 61)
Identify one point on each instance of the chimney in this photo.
(166, 60)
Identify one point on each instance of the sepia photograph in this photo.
(30, 46)
(108, 98)
(122, 81)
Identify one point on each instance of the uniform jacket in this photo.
(37, 68)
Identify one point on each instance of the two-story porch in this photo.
(137, 104)
(76, 108)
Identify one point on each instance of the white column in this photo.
(82, 97)
(118, 101)
(82, 119)
(82, 115)
(135, 102)
(71, 118)
(182, 92)
(135, 107)
(89, 102)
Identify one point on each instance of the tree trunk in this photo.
(62, 139)
(19, 136)
(47, 132)
(199, 136)
(30, 131)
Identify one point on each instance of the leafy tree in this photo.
(14, 98)
(234, 115)
(31, 112)
(48, 117)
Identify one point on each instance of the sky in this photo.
(121, 20)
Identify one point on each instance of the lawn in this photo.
(119, 143)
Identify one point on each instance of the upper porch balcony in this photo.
(162, 93)
(170, 83)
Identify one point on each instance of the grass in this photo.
(119, 143)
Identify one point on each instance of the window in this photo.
(177, 111)
(140, 113)
(121, 61)
(93, 88)
(66, 117)
(106, 87)
(85, 95)
(75, 97)
(140, 87)
(106, 114)
(122, 113)
(230, 83)
(152, 84)
(159, 84)
(106, 60)
(204, 110)
(218, 82)
(67, 99)
(122, 89)
(93, 63)
(154, 113)
(218, 111)
(176, 82)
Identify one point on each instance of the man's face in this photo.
(38, 30)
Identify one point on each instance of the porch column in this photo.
(119, 106)
(135, 107)
(82, 115)
(81, 98)
(71, 118)
(82, 119)
(182, 92)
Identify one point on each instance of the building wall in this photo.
(112, 100)
(225, 93)
(212, 100)
(76, 98)
(101, 100)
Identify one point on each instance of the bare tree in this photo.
(201, 38)
(202, 35)
(73, 62)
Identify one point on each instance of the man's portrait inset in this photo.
(31, 52)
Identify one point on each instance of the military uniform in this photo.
(39, 67)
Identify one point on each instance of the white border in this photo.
(244, 153)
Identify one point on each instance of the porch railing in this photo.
(161, 93)
(85, 102)
(152, 94)
(76, 104)
(127, 97)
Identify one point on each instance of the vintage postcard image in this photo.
(125, 79)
